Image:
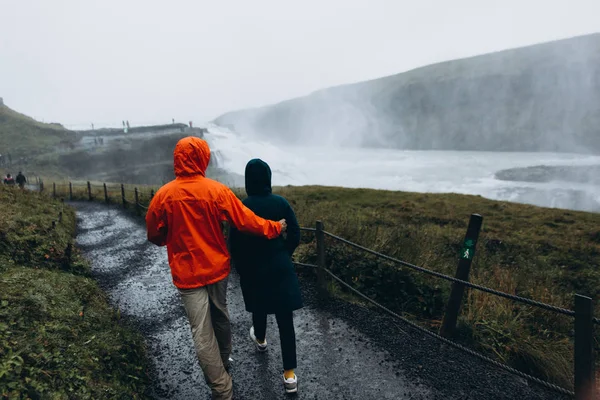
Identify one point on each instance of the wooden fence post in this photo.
(123, 196)
(151, 194)
(89, 185)
(53, 190)
(41, 185)
(60, 216)
(321, 281)
(462, 272)
(70, 191)
(68, 251)
(105, 193)
(585, 379)
(137, 201)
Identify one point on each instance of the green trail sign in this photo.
(468, 250)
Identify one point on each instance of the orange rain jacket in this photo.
(186, 215)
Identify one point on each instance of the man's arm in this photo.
(245, 220)
(156, 223)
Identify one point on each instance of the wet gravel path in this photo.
(345, 351)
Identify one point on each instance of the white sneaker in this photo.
(291, 384)
(259, 346)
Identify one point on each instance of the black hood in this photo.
(258, 177)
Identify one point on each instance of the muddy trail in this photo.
(345, 351)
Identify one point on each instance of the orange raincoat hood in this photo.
(191, 157)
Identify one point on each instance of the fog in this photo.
(150, 61)
(539, 98)
(520, 125)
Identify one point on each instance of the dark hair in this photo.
(8, 175)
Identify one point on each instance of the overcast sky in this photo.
(104, 61)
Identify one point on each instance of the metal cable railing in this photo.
(524, 300)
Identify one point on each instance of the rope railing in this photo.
(509, 296)
(321, 268)
(524, 300)
(299, 264)
(584, 321)
(450, 342)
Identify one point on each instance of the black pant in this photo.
(287, 335)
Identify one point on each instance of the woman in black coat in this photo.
(267, 276)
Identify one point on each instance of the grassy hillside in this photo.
(23, 136)
(132, 159)
(542, 97)
(544, 254)
(59, 338)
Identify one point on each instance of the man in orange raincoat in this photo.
(186, 216)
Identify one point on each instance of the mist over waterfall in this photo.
(544, 97)
(469, 172)
(520, 125)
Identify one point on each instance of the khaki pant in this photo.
(206, 309)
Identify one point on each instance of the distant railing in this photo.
(584, 321)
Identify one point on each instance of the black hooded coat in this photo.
(267, 275)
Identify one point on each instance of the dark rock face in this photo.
(144, 161)
(544, 97)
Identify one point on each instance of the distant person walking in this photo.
(267, 276)
(9, 180)
(21, 180)
(186, 215)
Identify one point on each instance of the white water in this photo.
(416, 171)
